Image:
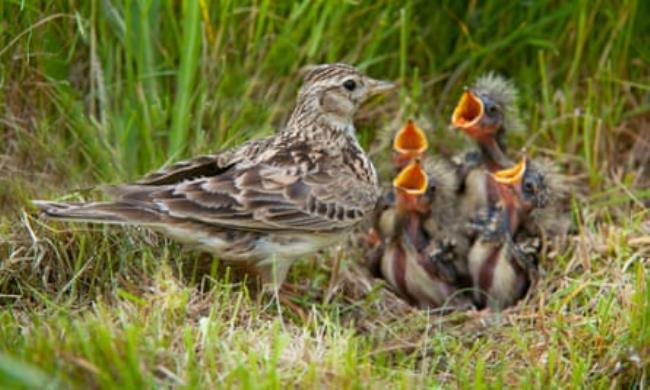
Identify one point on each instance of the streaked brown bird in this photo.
(500, 270)
(269, 201)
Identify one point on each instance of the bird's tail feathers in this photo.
(99, 212)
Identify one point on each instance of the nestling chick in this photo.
(410, 143)
(404, 263)
(485, 112)
(435, 208)
(395, 210)
(499, 269)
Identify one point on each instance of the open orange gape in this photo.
(511, 175)
(412, 180)
(410, 142)
(468, 111)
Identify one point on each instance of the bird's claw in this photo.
(488, 225)
(442, 256)
(526, 253)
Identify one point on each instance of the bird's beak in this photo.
(512, 175)
(410, 142)
(411, 183)
(468, 111)
(376, 87)
(509, 190)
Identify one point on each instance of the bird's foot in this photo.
(480, 314)
(372, 238)
(526, 254)
(283, 297)
(490, 226)
(441, 254)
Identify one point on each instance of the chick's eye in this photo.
(529, 187)
(349, 84)
(431, 189)
(491, 109)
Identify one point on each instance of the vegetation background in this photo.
(103, 91)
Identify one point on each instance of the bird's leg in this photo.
(273, 275)
(331, 286)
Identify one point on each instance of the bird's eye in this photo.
(529, 186)
(432, 188)
(491, 109)
(349, 84)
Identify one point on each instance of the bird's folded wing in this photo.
(204, 166)
(208, 165)
(263, 197)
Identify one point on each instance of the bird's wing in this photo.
(266, 198)
(260, 196)
(204, 166)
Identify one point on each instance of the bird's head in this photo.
(485, 111)
(523, 187)
(410, 186)
(336, 91)
(409, 143)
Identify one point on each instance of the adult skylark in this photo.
(268, 201)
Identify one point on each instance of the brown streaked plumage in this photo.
(269, 200)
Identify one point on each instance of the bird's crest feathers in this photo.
(505, 94)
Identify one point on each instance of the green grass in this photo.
(104, 91)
